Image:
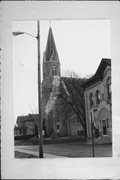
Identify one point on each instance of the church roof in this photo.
(71, 84)
(50, 46)
(99, 73)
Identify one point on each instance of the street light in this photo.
(39, 87)
(92, 134)
(19, 33)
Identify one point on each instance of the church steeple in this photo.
(51, 64)
(51, 47)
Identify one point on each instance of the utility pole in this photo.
(39, 87)
(92, 135)
(39, 96)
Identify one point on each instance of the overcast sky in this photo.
(81, 44)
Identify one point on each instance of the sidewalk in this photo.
(34, 153)
(106, 139)
(50, 140)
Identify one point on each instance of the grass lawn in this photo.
(23, 155)
(75, 149)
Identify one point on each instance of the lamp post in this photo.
(39, 87)
(92, 134)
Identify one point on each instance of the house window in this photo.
(58, 126)
(91, 99)
(97, 94)
(108, 84)
(44, 75)
(54, 71)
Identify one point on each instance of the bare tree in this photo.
(72, 93)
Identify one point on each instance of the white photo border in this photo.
(65, 168)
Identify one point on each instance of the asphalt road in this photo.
(75, 149)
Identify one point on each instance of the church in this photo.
(96, 93)
(58, 116)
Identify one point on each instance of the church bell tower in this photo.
(51, 73)
(51, 63)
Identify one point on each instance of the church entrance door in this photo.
(104, 127)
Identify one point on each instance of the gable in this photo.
(105, 63)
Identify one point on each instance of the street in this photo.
(75, 149)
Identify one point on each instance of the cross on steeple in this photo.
(50, 23)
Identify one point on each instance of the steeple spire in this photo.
(51, 47)
(51, 63)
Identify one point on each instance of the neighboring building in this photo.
(98, 102)
(16, 131)
(26, 125)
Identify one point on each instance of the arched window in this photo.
(97, 95)
(54, 71)
(47, 73)
(44, 75)
(108, 85)
(91, 99)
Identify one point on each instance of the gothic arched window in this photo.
(97, 95)
(44, 75)
(108, 85)
(91, 99)
(54, 71)
(47, 73)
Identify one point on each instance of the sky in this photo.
(81, 44)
